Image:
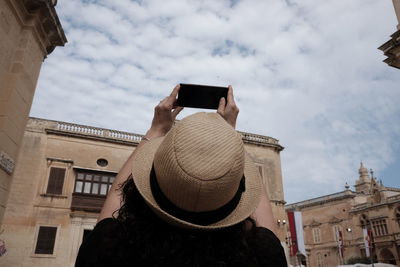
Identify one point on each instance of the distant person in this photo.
(189, 195)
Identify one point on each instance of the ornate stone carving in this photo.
(6, 162)
(391, 50)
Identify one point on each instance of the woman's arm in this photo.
(164, 116)
(263, 214)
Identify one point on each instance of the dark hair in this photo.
(152, 242)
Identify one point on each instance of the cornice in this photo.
(391, 49)
(261, 140)
(321, 200)
(335, 220)
(42, 18)
(370, 206)
(93, 137)
(313, 223)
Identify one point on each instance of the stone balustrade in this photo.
(393, 198)
(90, 131)
(259, 139)
(69, 127)
(99, 132)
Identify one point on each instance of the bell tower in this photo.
(363, 184)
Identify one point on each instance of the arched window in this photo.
(387, 256)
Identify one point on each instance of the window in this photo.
(102, 162)
(93, 183)
(379, 227)
(56, 181)
(320, 260)
(398, 215)
(337, 231)
(260, 169)
(45, 240)
(316, 235)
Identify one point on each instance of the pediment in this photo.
(314, 223)
(334, 220)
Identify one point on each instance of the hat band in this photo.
(200, 218)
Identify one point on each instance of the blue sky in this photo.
(305, 72)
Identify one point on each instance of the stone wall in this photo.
(29, 31)
(326, 218)
(48, 144)
(30, 207)
(344, 211)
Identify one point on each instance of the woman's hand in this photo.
(164, 115)
(228, 109)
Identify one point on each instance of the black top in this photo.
(107, 246)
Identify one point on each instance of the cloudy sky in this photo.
(305, 72)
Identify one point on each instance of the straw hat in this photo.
(198, 176)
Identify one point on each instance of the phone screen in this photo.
(201, 96)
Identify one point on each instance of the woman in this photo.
(189, 195)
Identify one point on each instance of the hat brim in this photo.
(249, 201)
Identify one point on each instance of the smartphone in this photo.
(200, 96)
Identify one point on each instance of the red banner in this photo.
(293, 235)
(340, 243)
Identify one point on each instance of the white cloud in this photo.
(305, 72)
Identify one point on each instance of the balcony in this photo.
(86, 202)
(383, 238)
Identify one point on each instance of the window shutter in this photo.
(56, 181)
(46, 239)
(316, 235)
(260, 169)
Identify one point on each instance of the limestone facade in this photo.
(68, 210)
(372, 206)
(391, 48)
(29, 30)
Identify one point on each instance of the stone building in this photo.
(372, 206)
(391, 48)
(29, 32)
(63, 176)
